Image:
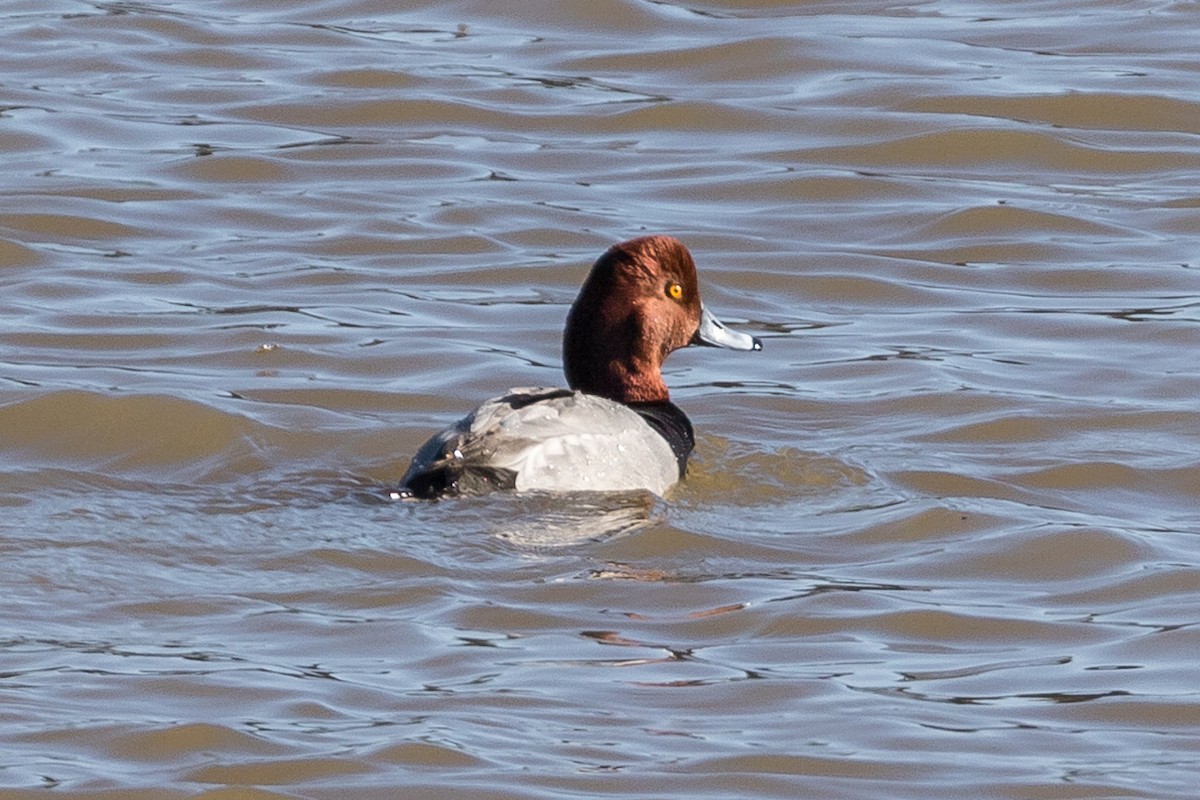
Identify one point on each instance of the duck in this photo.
(614, 428)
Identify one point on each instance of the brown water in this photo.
(941, 538)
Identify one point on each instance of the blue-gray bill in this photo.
(712, 332)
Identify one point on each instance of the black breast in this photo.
(671, 424)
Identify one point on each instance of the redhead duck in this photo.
(616, 427)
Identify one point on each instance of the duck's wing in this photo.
(552, 439)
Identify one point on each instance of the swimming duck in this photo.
(615, 428)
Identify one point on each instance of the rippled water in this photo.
(941, 537)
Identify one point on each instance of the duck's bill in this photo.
(712, 332)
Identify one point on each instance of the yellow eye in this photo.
(674, 291)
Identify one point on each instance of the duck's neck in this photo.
(618, 381)
(611, 361)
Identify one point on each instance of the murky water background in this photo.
(941, 538)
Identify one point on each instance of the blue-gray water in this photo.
(940, 539)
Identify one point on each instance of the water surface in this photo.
(939, 539)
